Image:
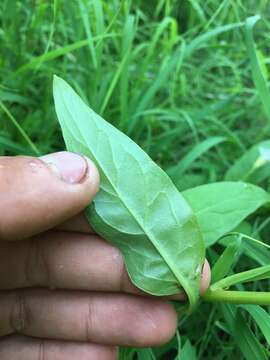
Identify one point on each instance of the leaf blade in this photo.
(147, 219)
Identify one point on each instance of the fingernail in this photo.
(70, 167)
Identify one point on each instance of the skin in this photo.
(64, 291)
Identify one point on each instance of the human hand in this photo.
(65, 293)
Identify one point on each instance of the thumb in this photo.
(38, 194)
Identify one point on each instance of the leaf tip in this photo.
(59, 85)
(56, 79)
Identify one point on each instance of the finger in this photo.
(205, 278)
(77, 223)
(68, 261)
(80, 224)
(25, 348)
(38, 194)
(111, 319)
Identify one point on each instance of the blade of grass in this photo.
(226, 261)
(113, 83)
(246, 340)
(51, 55)
(219, 9)
(16, 148)
(19, 128)
(166, 69)
(256, 67)
(243, 336)
(197, 151)
(145, 354)
(261, 317)
(198, 9)
(87, 27)
(127, 40)
(188, 352)
(200, 40)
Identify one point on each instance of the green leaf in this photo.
(220, 207)
(253, 166)
(138, 208)
(260, 273)
(252, 249)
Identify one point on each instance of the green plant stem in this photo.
(237, 297)
(19, 128)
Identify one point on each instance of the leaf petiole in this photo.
(237, 297)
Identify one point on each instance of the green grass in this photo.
(188, 80)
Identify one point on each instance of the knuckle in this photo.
(20, 316)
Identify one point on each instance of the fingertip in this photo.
(92, 176)
(205, 277)
(204, 284)
(76, 170)
(159, 324)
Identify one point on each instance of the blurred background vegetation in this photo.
(186, 79)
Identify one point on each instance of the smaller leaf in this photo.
(253, 250)
(220, 207)
(260, 273)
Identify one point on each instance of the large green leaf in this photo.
(220, 207)
(137, 208)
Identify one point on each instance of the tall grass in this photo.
(188, 80)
